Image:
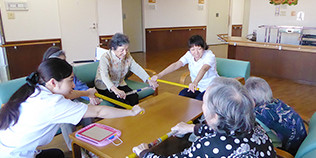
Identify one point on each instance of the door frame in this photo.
(141, 45)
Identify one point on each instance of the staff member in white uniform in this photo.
(202, 67)
(34, 112)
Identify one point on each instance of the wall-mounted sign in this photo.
(201, 2)
(13, 5)
(151, 1)
(289, 2)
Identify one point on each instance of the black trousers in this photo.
(51, 153)
(131, 99)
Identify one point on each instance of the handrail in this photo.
(240, 41)
(223, 36)
(287, 27)
(176, 28)
(30, 43)
(106, 38)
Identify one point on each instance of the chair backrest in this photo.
(233, 68)
(9, 87)
(99, 52)
(86, 72)
(276, 141)
(308, 147)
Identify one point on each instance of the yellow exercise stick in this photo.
(157, 141)
(174, 83)
(126, 106)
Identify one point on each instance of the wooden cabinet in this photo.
(25, 56)
(236, 30)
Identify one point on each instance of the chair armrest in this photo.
(240, 79)
(152, 72)
(186, 74)
(183, 77)
(283, 154)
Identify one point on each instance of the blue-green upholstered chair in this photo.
(87, 72)
(308, 147)
(9, 87)
(228, 68)
(233, 68)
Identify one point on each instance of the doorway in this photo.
(218, 20)
(3, 57)
(79, 28)
(133, 24)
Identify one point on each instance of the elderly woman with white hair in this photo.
(276, 115)
(230, 129)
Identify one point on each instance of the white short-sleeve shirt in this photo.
(195, 66)
(40, 117)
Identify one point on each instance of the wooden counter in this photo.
(292, 62)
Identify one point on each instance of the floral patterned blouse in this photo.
(214, 144)
(283, 120)
(112, 70)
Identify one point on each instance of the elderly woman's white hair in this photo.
(259, 90)
(230, 101)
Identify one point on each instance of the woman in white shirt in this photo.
(34, 112)
(202, 67)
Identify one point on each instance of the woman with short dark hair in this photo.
(202, 66)
(230, 129)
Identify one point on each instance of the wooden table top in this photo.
(161, 113)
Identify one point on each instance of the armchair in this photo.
(8, 88)
(308, 147)
(237, 69)
(87, 72)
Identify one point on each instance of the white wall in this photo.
(41, 21)
(237, 12)
(246, 18)
(263, 13)
(110, 17)
(174, 13)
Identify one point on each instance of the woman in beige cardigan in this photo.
(113, 67)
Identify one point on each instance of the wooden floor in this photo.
(301, 97)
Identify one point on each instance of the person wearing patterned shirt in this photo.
(230, 129)
(276, 115)
(113, 67)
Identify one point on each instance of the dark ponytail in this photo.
(50, 68)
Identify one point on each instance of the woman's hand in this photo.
(91, 92)
(192, 87)
(95, 101)
(138, 149)
(136, 110)
(119, 93)
(153, 83)
(154, 78)
(183, 128)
